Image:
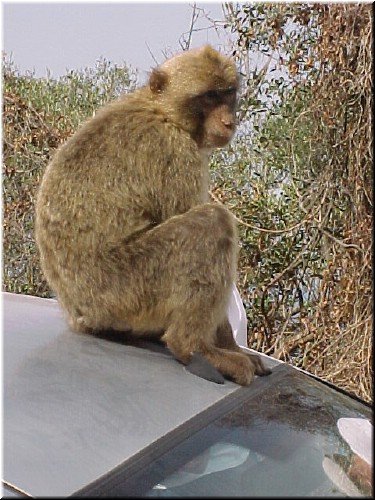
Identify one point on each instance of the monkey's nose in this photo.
(228, 123)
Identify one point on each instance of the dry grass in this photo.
(342, 329)
(307, 276)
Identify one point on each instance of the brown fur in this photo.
(127, 236)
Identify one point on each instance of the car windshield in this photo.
(280, 440)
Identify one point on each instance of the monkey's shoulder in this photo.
(130, 125)
(130, 110)
(138, 111)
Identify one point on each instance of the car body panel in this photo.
(78, 405)
(107, 415)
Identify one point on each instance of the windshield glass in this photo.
(287, 440)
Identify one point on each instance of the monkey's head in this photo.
(198, 91)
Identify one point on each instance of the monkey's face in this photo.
(198, 91)
(218, 120)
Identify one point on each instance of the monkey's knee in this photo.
(225, 220)
(219, 233)
(219, 219)
(224, 236)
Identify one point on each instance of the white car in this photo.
(103, 416)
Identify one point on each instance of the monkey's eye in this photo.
(230, 92)
(213, 98)
(216, 96)
(212, 95)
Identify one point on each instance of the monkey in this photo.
(128, 237)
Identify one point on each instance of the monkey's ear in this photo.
(158, 81)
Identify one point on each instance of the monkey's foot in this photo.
(201, 367)
(235, 365)
(259, 366)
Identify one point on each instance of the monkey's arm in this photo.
(181, 180)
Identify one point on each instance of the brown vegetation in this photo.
(312, 277)
(341, 331)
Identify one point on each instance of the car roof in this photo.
(76, 406)
(90, 415)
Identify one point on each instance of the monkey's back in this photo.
(118, 175)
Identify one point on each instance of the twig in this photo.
(151, 54)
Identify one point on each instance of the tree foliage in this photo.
(38, 116)
(299, 178)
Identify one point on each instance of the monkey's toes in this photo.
(259, 366)
(245, 377)
(244, 372)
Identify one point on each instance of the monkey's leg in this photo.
(185, 338)
(176, 277)
(225, 339)
(201, 288)
(186, 262)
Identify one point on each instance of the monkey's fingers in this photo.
(260, 368)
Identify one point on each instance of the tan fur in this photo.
(127, 237)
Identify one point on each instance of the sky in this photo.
(73, 35)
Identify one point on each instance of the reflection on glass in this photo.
(287, 441)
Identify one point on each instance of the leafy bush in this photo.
(304, 180)
(38, 116)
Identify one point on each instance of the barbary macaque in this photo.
(128, 237)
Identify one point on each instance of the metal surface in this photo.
(76, 406)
